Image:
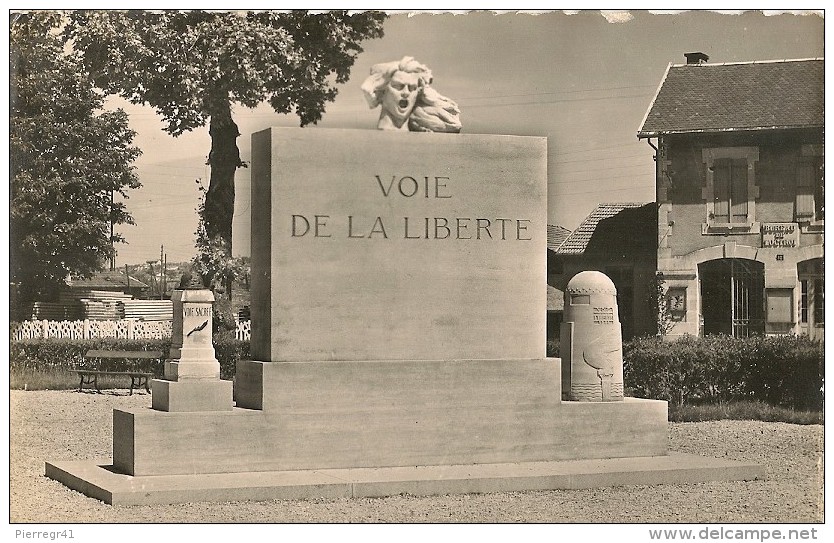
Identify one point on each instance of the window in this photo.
(804, 302)
(730, 191)
(810, 186)
(819, 301)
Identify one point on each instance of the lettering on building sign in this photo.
(603, 315)
(397, 187)
(780, 235)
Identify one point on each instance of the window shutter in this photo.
(721, 190)
(739, 191)
(805, 191)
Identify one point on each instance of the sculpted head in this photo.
(402, 90)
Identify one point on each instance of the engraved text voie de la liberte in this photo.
(431, 187)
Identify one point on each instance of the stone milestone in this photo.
(192, 373)
(591, 340)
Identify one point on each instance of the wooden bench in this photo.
(137, 378)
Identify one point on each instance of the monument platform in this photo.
(398, 343)
(100, 480)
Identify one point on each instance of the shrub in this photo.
(48, 355)
(228, 351)
(779, 370)
(552, 348)
(54, 359)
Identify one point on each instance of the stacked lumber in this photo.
(147, 310)
(54, 311)
(90, 294)
(101, 310)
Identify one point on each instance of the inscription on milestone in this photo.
(603, 315)
(196, 311)
(407, 227)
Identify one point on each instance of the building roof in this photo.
(762, 95)
(623, 229)
(106, 280)
(556, 235)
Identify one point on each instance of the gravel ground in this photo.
(64, 425)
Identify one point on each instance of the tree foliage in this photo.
(68, 157)
(193, 66)
(215, 267)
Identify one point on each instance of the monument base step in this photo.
(99, 479)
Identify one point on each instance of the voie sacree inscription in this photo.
(325, 225)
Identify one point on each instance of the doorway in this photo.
(732, 297)
(811, 274)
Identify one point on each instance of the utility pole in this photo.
(164, 273)
(161, 271)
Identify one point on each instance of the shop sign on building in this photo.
(780, 234)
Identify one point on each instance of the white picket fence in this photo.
(243, 331)
(90, 329)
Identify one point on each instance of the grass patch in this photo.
(743, 410)
(42, 380)
(61, 380)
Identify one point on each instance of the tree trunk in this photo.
(224, 160)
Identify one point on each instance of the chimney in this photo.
(696, 58)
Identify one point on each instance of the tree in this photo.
(194, 66)
(212, 263)
(68, 158)
(658, 301)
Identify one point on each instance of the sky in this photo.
(582, 80)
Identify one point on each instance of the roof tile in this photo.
(578, 241)
(741, 96)
(556, 235)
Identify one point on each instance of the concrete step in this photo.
(98, 479)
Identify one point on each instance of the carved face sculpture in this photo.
(400, 96)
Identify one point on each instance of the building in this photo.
(556, 235)
(106, 281)
(617, 239)
(740, 210)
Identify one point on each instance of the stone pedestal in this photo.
(192, 374)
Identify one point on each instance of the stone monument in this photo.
(192, 374)
(591, 341)
(398, 338)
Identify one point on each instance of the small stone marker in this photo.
(192, 374)
(591, 340)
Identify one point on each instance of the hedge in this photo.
(786, 371)
(55, 355)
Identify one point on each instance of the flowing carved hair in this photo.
(433, 112)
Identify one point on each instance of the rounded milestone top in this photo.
(587, 282)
